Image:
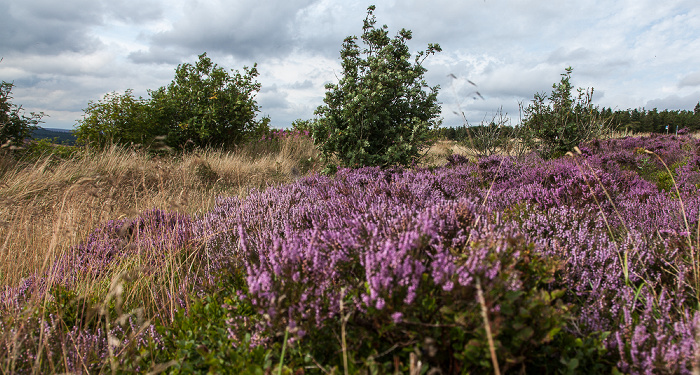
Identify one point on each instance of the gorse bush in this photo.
(204, 105)
(379, 113)
(556, 124)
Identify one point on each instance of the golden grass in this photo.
(50, 205)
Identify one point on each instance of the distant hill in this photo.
(63, 136)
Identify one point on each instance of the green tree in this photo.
(116, 118)
(556, 124)
(379, 112)
(15, 126)
(206, 106)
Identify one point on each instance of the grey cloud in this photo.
(156, 55)
(271, 98)
(692, 79)
(306, 84)
(48, 27)
(247, 29)
(686, 102)
(134, 11)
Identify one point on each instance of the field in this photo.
(252, 262)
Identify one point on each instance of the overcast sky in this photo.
(635, 53)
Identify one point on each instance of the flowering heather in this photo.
(626, 241)
(598, 244)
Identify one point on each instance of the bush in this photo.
(204, 105)
(556, 127)
(379, 113)
(15, 126)
(116, 118)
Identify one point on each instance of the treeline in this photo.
(654, 121)
(638, 120)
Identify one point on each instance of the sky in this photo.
(61, 55)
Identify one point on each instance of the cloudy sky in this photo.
(635, 53)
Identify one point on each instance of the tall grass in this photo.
(49, 205)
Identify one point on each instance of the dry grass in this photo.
(50, 205)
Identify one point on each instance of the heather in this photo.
(582, 264)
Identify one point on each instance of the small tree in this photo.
(556, 127)
(116, 118)
(15, 126)
(378, 113)
(207, 106)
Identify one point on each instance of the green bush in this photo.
(15, 126)
(204, 105)
(117, 118)
(555, 127)
(379, 113)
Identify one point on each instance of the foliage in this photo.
(35, 150)
(300, 125)
(15, 125)
(116, 118)
(379, 113)
(206, 106)
(555, 127)
(198, 342)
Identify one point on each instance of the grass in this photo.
(49, 205)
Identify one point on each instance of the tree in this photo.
(206, 106)
(203, 106)
(379, 113)
(116, 118)
(555, 127)
(15, 126)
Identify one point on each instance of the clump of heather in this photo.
(381, 242)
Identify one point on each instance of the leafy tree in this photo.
(15, 126)
(204, 105)
(116, 118)
(207, 106)
(379, 112)
(554, 125)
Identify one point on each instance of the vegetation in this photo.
(15, 125)
(379, 113)
(577, 255)
(203, 106)
(555, 127)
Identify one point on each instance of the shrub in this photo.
(556, 127)
(207, 106)
(15, 126)
(379, 113)
(116, 118)
(204, 105)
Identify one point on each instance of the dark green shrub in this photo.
(556, 124)
(48, 148)
(199, 341)
(379, 113)
(444, 330)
